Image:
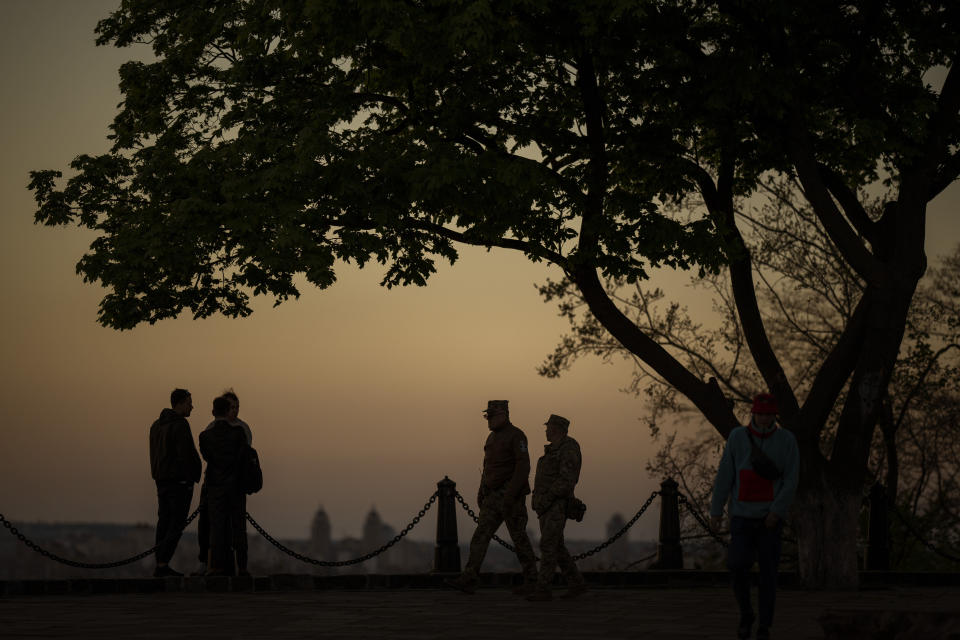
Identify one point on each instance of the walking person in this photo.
(558, 471)
(502, 498)
(175, 467)
(758, 472)
(222, 445)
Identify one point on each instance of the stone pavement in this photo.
(491, 614)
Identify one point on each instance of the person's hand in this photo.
(716, 522)
(772, 520)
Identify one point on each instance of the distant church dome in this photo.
(614, 525)
(375, 530)
(320, 528)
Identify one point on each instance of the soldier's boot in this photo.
(540, 595)
(463, 582)
(575, 589)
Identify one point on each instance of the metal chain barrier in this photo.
(579, 556)
(614, 537)
(699, 518)
(916, 534)
(344, 563)
(85, 565)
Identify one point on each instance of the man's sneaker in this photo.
(165, 572)
(524, 589)
(746, 624)
(575, 590)
(461, 584)
(763, 633)
(540, 595)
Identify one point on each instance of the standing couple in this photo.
(175, 467)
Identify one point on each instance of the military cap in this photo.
(560, 421)
(496, 406)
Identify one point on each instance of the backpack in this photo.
(251, 476)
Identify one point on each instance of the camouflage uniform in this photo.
(557, 473)
(504, 486)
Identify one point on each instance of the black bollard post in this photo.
(446, 555)
(878, 531)
(669, 551)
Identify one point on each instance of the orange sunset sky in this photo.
(357, 396)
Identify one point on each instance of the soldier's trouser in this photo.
(493, 513)
(553, 551)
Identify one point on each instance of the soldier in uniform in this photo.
(504, 486)
(558, 471)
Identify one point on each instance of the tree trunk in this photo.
(825, 518)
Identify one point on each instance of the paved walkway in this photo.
(490, 614)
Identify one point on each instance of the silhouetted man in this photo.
(222, 445)
(203, 521)
(758, 472)
(175, 467)
(504, 486)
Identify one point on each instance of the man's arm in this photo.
(521, 468)
(570, 461)
(187, 452)
(723, 483)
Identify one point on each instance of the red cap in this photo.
(764, 403)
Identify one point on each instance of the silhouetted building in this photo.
(321, 542)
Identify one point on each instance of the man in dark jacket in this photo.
(203, 520)
(502, 498)
(175, 467)
(222, 445)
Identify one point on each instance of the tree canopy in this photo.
(278, 137)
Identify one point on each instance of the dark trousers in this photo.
(203, 526)
(751, 540)
(173, 500)
(227, 529)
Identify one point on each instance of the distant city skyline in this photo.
(357, 396)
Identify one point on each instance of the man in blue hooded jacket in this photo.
(758, 474)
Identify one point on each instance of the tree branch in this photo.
(949, 171)
(504, 243)
(833, 375)
(597, 173)
(720, 205)
(852, 208)
(923, 376)
(863, 262)
(706, 396)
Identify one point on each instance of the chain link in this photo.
(86, 565)
(343, 563)
(699, 518)
(618, 534)
(579, 556)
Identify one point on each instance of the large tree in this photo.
(807, 295)
(276, 137)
